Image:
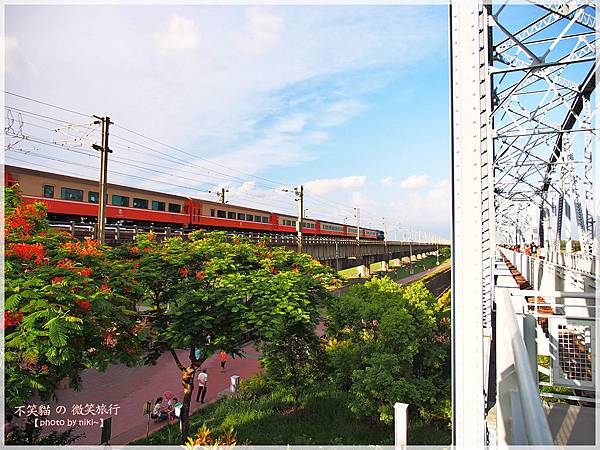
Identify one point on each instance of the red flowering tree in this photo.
(213, 285)
(64, 311)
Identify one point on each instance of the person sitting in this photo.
(158, 412)
(173, 409)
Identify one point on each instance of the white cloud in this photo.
(262, 32)
(414, 182)
(386, 181)
(339, 112)
(180, 35)
(14, 58)
(317, 137)
(291, 124)
(324, 186)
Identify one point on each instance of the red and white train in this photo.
(70, 198)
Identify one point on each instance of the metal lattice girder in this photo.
(473, 219)
(543, 73)
(521, 80)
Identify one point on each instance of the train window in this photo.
(230, 215)
(241, 216)
(222, 214)
(257, 218)
(48, 191)
(120, 200)
(158, 206)
(71, 194)
(212, 213)
(249, 217)
(265, 219)
(140, 203)
(93, 197)
(174, 207)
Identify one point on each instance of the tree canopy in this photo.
(62, 311)
(391, 344)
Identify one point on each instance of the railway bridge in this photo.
(337, 253)
(524, 133)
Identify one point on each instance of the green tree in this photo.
(211, 289)
(403, 336)
(61, 312)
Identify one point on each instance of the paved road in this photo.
(416, 276)
(131, 387)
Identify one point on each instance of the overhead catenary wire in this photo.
(228, 178)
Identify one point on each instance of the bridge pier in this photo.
(364, 271)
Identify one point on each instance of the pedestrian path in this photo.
(416, 276)
(131, 387)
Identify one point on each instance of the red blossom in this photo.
(88, 247)
(12, 319)
(83, 304)
(57, 280)
(105, 287)
(200, 275)
(44, 368)
(64, 264)
(136, 265)
(135, 250)
(28, 251)
(86, 272)
(184, 271)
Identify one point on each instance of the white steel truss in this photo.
(522, 85)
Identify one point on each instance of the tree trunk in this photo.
(187, 380)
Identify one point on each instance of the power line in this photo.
(228, 177)
(48, 104)
(199, 157)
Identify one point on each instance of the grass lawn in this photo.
(270, 419)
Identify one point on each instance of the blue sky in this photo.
(351, 101)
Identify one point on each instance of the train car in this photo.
(214, 215)
(76, 199)
(69, 198)
(332, 229)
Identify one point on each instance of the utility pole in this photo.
(357, 225)
(104, 151)
(385, 242)
(300, 199)
(221, 195)
(410, 249)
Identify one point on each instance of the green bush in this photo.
(394, 344)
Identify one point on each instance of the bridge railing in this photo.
(122, 233)
(581, 262)
(521, 419)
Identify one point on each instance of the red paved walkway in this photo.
(131, 387)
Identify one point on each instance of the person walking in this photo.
(202, 378)
(223, 358)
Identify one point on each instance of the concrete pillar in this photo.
(364, 271)
(400, 425)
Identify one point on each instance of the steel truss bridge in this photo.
(338, 253)
(524, 130)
